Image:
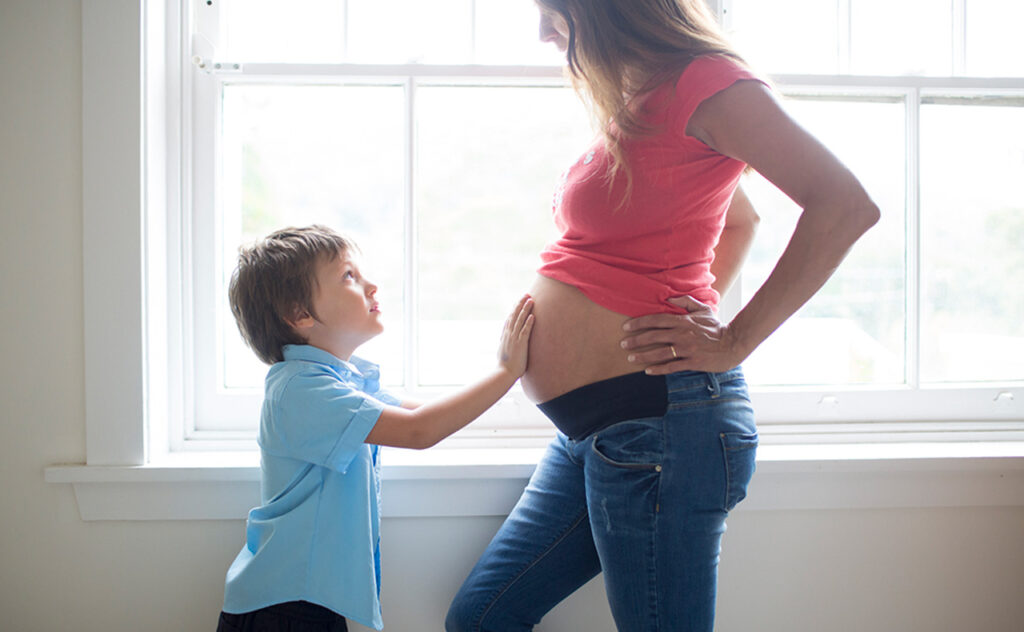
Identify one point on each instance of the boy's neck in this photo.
(336, 348)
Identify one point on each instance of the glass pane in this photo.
(300, 31)
(788, 36)
(993, 38)
(410, 31)
(485, 178)
(508, 32)
(853, 330)
(297, 155)
(972, 242)
(910, 37)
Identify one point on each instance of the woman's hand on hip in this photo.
(695, 341)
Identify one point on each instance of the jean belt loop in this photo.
(713, 386)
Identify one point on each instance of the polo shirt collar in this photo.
(355, 366)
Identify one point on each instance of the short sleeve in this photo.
(387, 398)
(703, 78)
(319, 419)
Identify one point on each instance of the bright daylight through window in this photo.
(437, 141)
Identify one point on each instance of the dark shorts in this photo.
(294, 616)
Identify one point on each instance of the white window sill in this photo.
(218, 486)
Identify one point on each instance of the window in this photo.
(922, 321)
(412, 140)
(437, 140)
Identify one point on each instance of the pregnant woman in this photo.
(656, 436)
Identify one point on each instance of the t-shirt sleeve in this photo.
(703, 78)
(321, 420)
(387, 398)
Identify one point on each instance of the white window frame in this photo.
(791, 414)
(131, 389)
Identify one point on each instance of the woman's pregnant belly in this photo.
(574, 342)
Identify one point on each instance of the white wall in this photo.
(955, 569)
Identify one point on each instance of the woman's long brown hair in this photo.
(619, 50)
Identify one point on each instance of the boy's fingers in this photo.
(523, 312)
(527, 327)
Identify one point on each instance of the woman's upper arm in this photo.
(745, 121)
(741, 212)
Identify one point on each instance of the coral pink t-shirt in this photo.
(659, 244)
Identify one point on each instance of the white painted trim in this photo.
(488, 482)
(116, 307)
(112, 232)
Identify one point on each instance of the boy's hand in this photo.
(515, 338)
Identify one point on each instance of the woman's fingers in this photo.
(690, 304)
(659, 355)
(653, 321)
(649, 337)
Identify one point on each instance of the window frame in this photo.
(130, 392)
(135, 371)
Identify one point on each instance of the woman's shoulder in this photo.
(712, 68)
(703, 77)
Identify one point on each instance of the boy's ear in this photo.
(301, 319)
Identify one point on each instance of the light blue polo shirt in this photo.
(316, 535)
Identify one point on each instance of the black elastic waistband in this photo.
(588, 409)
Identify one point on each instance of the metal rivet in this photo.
(657, 468)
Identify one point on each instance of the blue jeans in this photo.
(644, 501)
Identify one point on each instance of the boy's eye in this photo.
(349, 275)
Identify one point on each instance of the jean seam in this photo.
(728, 477)
(501, 591)
(652, 551)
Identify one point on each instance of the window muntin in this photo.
(887, 262)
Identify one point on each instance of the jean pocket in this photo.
(740, 450)
(637, 444)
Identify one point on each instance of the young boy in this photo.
(312, 555)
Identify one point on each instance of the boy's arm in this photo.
(423, 426)
(741, 222)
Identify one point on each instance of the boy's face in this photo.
(347, 315)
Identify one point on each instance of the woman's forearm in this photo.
(822, 239)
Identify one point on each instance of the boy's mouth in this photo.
(375, 308)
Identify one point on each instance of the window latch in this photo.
(211, 67)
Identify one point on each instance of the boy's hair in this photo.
(274, 280)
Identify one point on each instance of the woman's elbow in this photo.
(865, 214)
(857, 214)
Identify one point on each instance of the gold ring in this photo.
(672, 348)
